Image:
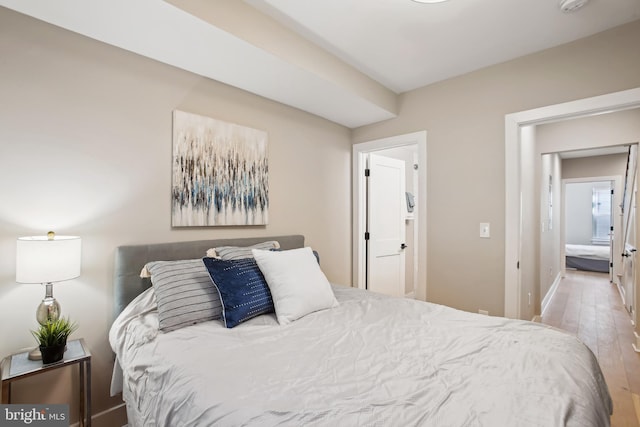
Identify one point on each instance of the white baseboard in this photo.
(621, 289)
(410, 295)
(547, 298)
(636, 345)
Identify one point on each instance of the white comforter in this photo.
(588, 251)
(372, 361)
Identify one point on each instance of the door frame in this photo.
(360, 151)
(611, 102)
(616, 220)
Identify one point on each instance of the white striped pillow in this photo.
(184, 293)
(230, 253)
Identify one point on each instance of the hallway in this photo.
(589, 306)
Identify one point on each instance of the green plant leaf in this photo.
(54, 332)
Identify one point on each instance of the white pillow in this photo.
(298, 286)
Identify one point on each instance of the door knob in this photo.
(403, 246)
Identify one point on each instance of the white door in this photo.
(628, 277)
(386, 225)
(629, 261)
(629, 232)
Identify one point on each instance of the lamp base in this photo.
(35, 354)
(49, 308)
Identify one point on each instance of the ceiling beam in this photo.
(166, 33)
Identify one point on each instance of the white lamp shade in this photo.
(40, 260)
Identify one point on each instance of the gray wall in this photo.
(588, 167)
(85, 143)
(464, 118)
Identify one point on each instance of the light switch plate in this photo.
(485, 230)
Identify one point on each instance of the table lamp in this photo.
(47, 259)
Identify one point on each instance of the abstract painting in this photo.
(220, 173)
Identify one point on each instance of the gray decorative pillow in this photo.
(184, 292)
(230, 253)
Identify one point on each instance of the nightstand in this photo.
(18, 366)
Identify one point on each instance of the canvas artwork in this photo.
(220, 173)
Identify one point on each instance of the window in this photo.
(601, 214)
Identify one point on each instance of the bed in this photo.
(367, 360)
(588, 257)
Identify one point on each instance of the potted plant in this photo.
(52, 338)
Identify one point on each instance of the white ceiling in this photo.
(405, 45)
(400, 44)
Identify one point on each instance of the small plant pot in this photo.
(52, 354)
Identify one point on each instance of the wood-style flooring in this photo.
(589, 306)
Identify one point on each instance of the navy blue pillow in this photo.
(243, 290)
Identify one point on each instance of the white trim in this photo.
(416, 236)
(550, 293)
(358, 165)
(513, 122)
(512, 218)
(636, 345)
(621, 290)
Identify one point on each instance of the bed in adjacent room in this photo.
(345, 357)
(588, 257)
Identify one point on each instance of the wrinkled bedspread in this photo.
(372, 361)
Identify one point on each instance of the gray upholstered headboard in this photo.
(130, 260)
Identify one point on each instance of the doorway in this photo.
(589, 224)
(516, 166)
(415, 263)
